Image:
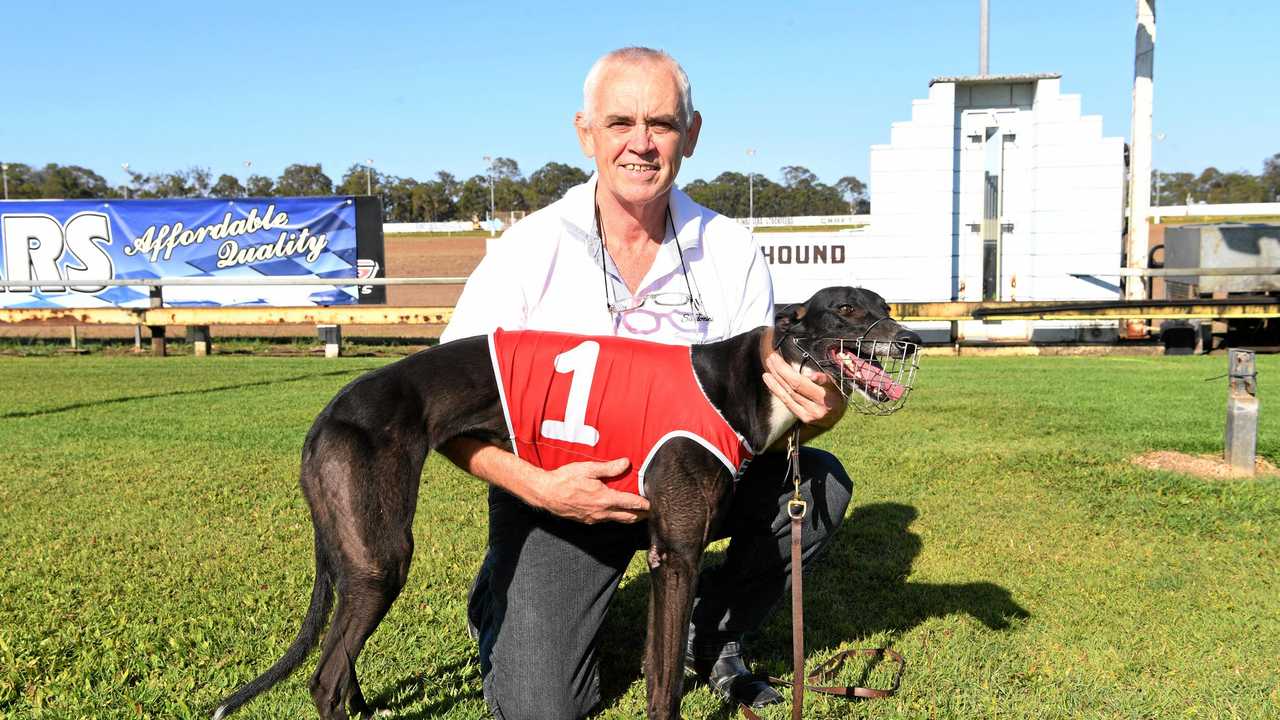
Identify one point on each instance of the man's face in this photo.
(636, 135)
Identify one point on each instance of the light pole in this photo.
(247, 174)
(368, 177)
(128, 179)
(751, 190)
(4, 173)
(1159, 138)
(492, 211)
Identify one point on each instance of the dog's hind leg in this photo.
(362, 491)
(686, 487)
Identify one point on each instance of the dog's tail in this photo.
(312, 624)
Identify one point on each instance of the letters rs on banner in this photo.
(59, 244)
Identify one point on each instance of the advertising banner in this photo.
(62, 246)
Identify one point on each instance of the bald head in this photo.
(637, 56)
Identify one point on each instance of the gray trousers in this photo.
(543, 590)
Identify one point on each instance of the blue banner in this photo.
(61, 246)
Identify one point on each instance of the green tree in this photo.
(300, 180)
(551, 181)
(192, 182)
(23, 181)
(1271, 178)
(259, 186)
(358, 178)
(71, 182)
(228, 186)
(473, 198)
(505, 168)
(432, 201)
(855, 192)
(795, 175)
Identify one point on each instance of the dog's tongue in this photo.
(872, 377)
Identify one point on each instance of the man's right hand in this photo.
(577, 491)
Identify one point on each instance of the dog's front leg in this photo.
(686, 487)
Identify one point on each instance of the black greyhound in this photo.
(362, 465)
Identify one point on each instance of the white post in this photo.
(128, 178)
(751, 190)
(984, 24)
(1140, 156)
(1241, 446)
(368, 177)
(4, 172)
(247, 165)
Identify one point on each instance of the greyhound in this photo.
(363, 457)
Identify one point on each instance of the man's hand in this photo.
(577, 491)
(809, 395)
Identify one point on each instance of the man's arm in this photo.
(575, 491)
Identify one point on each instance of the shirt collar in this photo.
(579, 220)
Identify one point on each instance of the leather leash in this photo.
(826, 672)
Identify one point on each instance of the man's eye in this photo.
(663, 127)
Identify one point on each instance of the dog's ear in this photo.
(789, 317)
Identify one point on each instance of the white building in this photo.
(997, 188)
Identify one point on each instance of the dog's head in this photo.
(847, 333)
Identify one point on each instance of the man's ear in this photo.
(585, 140)
(691, 135)
(790, 317)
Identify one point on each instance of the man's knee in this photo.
(830, 486)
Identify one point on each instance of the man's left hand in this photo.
(808, 394)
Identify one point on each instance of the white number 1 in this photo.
(581, 362)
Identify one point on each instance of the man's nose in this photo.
(640, 140)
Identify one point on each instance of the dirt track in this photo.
(407, 256)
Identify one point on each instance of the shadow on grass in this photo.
(858, 589)
(174, 393)
(411, 689)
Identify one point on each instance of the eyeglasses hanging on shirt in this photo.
(661, 299)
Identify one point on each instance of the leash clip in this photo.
(797, 509)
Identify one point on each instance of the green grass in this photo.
(157, 553)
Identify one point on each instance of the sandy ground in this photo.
(1212, 467)
(406, 256)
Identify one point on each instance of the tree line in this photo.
(1213, 186)
(445, 197)
(442, 197)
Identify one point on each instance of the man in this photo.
(627, 254)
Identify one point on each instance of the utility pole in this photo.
(247, 164)
(492, 211)
(751, 190)
(368, 177)
(984, 25)
(4, 173)
(1138, 243)
(129, 178)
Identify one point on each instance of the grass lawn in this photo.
(157, 553)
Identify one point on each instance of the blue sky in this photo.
(420, 87)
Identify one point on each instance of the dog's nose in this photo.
(907, 336)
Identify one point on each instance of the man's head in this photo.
(638, 123)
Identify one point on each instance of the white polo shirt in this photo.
(546, 274)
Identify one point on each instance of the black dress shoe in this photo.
(729, 678)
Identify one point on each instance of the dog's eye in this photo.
(850, 310)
